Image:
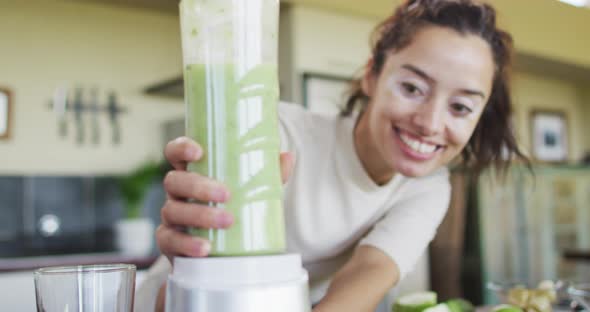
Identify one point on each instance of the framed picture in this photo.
(324, 94)
(550, 136)
(5, 107)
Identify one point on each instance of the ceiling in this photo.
(373, 8)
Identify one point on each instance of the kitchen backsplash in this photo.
(45, 215)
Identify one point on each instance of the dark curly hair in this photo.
(493, 141)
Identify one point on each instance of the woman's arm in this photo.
(361, 283)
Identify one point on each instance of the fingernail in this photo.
(203, 248)
(192, 153)
(219, 195)
(223, 219)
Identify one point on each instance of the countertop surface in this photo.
(33, 263)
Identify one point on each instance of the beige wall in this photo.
(535, 24)
(585, 102)
(535, 92)
(48, 42)
(547, 28)
(327, 42)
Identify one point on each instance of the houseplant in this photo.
(134, 232)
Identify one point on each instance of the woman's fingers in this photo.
(182, 184)
(174, 243)
(287, 164)
(183, 214)
(181, 151)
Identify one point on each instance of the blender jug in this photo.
(231, 96)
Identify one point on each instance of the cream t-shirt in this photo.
(332, 205)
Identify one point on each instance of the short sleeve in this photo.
(410, 224)
(147, 292)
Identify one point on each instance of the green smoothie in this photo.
(232, 114)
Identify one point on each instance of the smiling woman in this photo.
(5, 98)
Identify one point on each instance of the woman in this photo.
(373, 182)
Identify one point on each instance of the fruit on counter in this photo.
(426, 301)
(441, 307)
(415, 302)
(518, 296)
(540, 301)
(506, 308)
(534, 300)
(460, 305)
(549, 288)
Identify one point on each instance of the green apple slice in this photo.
(415, 302)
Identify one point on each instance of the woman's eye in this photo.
(461, 109)
(411, 89)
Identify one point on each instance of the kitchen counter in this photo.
(33, 263)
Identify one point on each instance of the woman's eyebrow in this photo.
(473, 92)
(418, 72)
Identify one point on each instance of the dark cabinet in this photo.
(47, 215)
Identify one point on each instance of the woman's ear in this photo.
(368, 81)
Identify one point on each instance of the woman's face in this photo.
(428, 98)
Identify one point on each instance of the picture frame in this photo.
(324, 93)
(549, 133)
(5, 113)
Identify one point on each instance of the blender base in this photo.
(238, 284)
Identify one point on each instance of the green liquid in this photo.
(232, 113)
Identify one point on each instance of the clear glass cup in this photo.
(580, 293)
(92, 288)
(231, 94)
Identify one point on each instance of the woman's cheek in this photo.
(461, 131)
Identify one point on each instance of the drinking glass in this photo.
(85, 288)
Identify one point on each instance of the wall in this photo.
(535, 24)
(536, 92)
(585, 98)
(48, 42)
(328, 43)
(538, 27)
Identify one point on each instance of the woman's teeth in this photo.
(420, 147)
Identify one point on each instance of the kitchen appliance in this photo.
(231, 95)
(244, 284)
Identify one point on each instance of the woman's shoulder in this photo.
(301, 124)
(297, 114)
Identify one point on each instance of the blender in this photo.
(231, 96)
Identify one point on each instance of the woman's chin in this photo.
(414, 170)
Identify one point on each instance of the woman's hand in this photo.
(177, 213)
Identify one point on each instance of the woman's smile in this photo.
(413, 147)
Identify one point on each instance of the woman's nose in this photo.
(429, 119)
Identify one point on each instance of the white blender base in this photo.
(238, 284)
